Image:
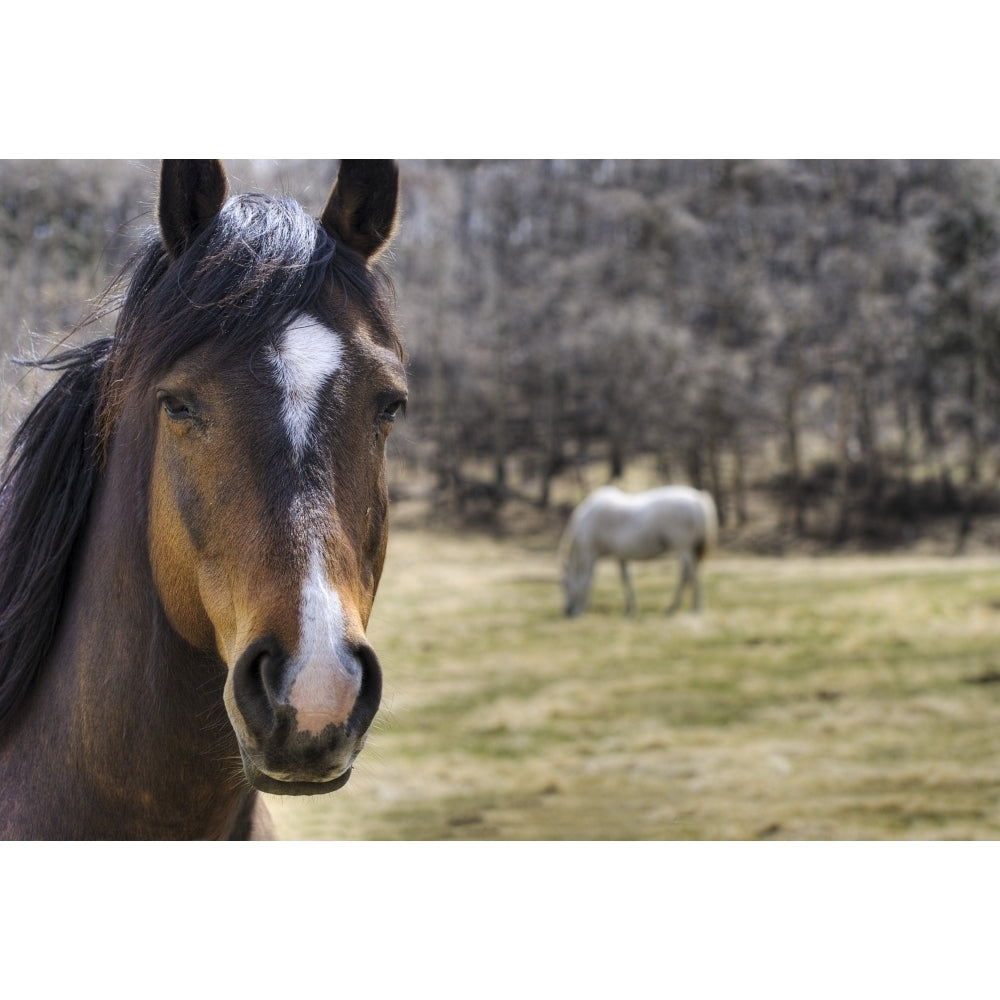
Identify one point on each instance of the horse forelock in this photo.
(258, 265)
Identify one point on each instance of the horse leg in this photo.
(682, 582)
(629, 593)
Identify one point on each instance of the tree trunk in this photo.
(796, 497)
(843, 487)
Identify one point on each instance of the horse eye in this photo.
(174, 408)
(391, 410)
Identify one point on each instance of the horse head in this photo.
(269, 381)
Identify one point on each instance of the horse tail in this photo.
(710, 535)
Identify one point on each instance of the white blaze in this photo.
(328, 679)
(307, 355)
(325, 674)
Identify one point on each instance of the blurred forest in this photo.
(819, 340)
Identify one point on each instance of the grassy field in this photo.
(815, 698)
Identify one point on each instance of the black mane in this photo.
(48, 479)
(260, 262)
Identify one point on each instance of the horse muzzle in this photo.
(301, 725)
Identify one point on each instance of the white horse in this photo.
(637, 526)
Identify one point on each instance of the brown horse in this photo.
(193, 523)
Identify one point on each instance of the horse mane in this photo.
(568, 543)
(47, 482)
(258, 263)
(567, 540)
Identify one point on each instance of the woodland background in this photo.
(816, 342)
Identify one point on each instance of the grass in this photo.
(815, 698)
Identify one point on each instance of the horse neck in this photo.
(580, 559)
(147, 726)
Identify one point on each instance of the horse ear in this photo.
(363, 206)
(191, 194)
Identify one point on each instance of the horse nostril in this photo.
(370, 695)
(255, 681)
